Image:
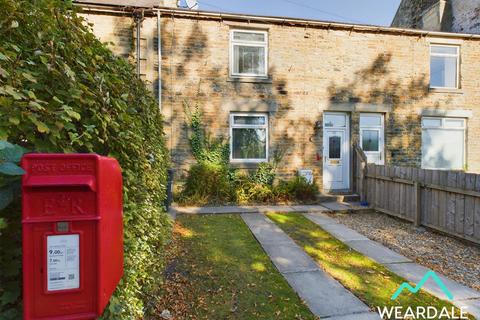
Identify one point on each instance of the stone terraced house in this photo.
(310, 90)
(439, 15)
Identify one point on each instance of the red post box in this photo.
(72, 234)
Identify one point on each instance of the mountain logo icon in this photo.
(428, 275)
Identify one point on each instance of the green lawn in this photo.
(217, 270)
(368, 280)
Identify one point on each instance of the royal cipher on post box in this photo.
(72, 234)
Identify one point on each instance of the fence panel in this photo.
(447, 201)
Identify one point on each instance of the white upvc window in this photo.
(372, 137)
(248, 53)
(248, 137)
(443, 143)
(444, 66)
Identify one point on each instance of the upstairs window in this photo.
(444, 66)
(248, 137)
(248, 53)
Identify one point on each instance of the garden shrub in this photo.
(62, 90)
(10, 174)
(207, 183)
(213, 181)
(265, 174)
(297, 188)
(248, 188)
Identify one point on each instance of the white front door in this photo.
(372, 134)
(336, 151)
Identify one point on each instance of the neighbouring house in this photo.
(439, 15)
(308, 89)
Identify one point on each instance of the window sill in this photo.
(244, 165)
(446, 90)
(249, 79)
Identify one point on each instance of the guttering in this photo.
(312, 23)
(286, 21)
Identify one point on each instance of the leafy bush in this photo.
(265, 174)
(62, 90)
(10, 173)
(249, 188)
(213, 181)
(209, 183)
(297, 189)
(206, 183)
(205, 148)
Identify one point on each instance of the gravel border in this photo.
(458, 260)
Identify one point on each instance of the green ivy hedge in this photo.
(62, 90)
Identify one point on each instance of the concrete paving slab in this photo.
(343, 233)
(251, 209)
(214, 210)
(320, 218)
(377, 252)
(358, 316)
(323, 295)
(289, 257)
(472, 306)
(309, 208)
(281, 209)
(414, 273)
(230, 209)
(256, 219)
(336, 206)
(265, 230)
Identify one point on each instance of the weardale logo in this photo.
(422, 312)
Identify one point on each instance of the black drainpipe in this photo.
(138, 17)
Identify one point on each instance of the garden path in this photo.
(325, 297)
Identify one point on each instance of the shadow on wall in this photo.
(192, 75)
(377, 85)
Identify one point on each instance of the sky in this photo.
(375, 12)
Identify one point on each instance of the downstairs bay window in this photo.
(248, 137)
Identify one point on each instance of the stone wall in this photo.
(119, 33)
(311, 70)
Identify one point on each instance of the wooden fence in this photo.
(446, 201)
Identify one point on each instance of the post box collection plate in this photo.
(63, 267)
